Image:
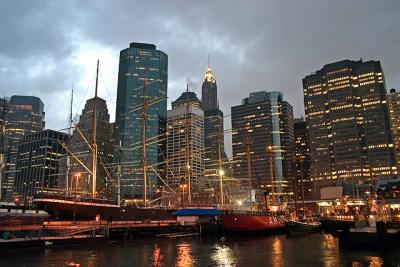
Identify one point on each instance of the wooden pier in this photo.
(16, 235)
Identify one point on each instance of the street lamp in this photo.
(183, 186)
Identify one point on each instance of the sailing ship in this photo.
(247, 219)
(305, 224)
(72, 207)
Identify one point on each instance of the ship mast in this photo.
(220, 171)
(188, 163)
(248, 144)
(94, 145)
(271, 171)
(144, 156)
(70, 136)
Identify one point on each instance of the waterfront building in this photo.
(142, 91)
(262, 128)
(213, 125)
(38, 161)
(302, 160)
(185, 143)
(348, 124)
(79, 177)
(25, 115)
(393, 101)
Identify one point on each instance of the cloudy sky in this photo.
(48, 46)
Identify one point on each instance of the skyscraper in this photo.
(3, 112)
(25, 116)
(213, 124)
(81, 149)
(348, 123)
(393, 101)
(141, 101)
(185, 142)
(262, 134)
(302, 160)
(38, 161)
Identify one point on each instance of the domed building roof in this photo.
(185, 97)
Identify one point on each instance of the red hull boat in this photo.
(251, 221)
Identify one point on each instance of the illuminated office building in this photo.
(348, 124)
(302, 160)
(38, 162)
(139, 65)
(3, 112)
(81, 150)
(393, 100)
(25, 116)
(263, 126)
(185, 142)
(213, 125)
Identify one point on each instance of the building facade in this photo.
(3, 112)
(262, 134)
(185, 143)
(25, 116)
(141, 100)
(38, 161)
(213, 126)
(302, 161)
(81, 149)
(393, 101)
(348, 124)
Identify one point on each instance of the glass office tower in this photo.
(141, 64)
(263, 126)
(25, 116)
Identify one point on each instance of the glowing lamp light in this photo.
(240, 203)
(221, 172)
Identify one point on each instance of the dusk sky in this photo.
(46, 46)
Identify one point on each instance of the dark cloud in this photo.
(253, 45)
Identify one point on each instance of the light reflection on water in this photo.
(311, 250)
(223, 256)
(277, 252)
(184, 259)
(330, 250)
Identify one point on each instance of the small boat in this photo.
(303, 226)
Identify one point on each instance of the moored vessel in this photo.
(306, 226)
(251, 221)
(70, 208)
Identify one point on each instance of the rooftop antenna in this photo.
(208, 59)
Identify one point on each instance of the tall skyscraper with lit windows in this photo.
(393, 100)
(213, 125)
(263, 126)
(348, 124)
(25, 115)
(185, 142)
(142, 90)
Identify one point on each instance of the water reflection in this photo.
(184, 257)
(276, 252)
(157, 257)
(375, 261)
(223, 256)
(370, 261)
(330, 250)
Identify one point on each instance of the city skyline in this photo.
(61, 48)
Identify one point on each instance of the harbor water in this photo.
(310, 250)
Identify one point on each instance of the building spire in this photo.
(209, 75)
